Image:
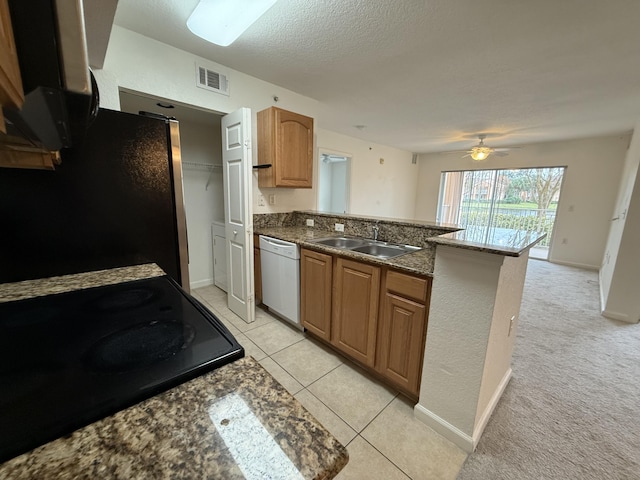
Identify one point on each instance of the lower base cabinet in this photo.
(355, 309)
(401, 337)
(257, 269)
(316, 274)
(375, 315)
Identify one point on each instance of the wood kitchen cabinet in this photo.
(375, 315)
(257, 269)
(402, 329)
(285, 141)
(355, 309)
(11, 93)
(316, 274)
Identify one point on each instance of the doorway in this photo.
(516, 199)
(334, 179)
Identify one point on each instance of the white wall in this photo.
(384, 190)
(594, 166)
(620, 272)
(203, 195)
(140, 64)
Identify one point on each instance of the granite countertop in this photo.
(67, 283)
(235, 422)
(232, 423)
(420, 262)
(500, 241)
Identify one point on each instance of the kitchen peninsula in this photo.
(222, 424)
(477, 280)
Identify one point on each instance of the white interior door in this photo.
(236, 160)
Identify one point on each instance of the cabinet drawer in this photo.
(408, 286)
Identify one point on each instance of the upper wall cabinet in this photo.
(11, 93)
(285, 141)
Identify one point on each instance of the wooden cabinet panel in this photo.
(316, 272)
(285, 140)
(407, 285)
(257, 269)
(11, 93)
(400, 344)
(355, 309)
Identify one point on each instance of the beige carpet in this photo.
(572, 408)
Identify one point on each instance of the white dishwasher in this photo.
(280, 262)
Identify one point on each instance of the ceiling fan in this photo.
(481, 151)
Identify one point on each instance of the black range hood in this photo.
(61, 96)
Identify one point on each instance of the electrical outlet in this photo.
(272, 199)
(310, 222)
(261, 200)
(339, 227)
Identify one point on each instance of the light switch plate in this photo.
(310, 222)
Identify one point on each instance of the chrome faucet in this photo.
(376, 232)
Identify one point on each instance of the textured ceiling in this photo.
(428, 76)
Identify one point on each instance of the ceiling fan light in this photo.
(223, 21)
(480, 153)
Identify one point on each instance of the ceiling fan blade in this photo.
(457, 151)
(504, 149)
(498, 153)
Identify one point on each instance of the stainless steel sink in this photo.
(381, 251)
(341, 242)
(374, 248)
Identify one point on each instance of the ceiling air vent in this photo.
(210, 80)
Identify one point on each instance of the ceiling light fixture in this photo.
(223, 21)
(480, 153)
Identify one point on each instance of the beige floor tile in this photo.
(356, 398)
(274, 336)
(338, 428)
(250, 348)
(243, 326)
(415, 448)
(277, 372)
(307, 361)
(365, 463)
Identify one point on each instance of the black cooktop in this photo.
(69, 359)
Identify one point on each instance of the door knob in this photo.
(235, 232)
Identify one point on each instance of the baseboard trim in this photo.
(623, 317)
(201, 283)
(454, 434)
(584, 266)
(486, 415)
(444, 428)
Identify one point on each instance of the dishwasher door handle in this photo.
(278, 243)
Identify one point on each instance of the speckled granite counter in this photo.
(173, 435)
(501, 241)
(180, 433)
(68, 283)
(420, 262)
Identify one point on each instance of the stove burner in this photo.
(139, 346)
(125, 299)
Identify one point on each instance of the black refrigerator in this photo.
(115, 200)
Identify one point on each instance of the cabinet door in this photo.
(355, 309)
(10, 83)
(257, 269)
(400, 343)
(315, 292)
(294, 140)
(285, 140)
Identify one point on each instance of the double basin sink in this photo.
(367, 246)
